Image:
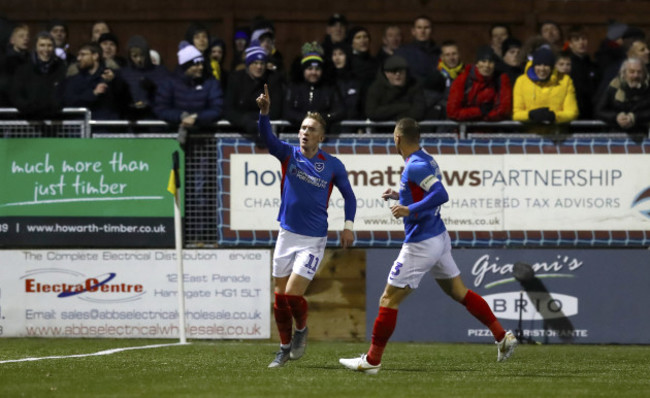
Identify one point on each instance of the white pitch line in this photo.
(105, 352)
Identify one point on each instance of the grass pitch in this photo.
(239, 369)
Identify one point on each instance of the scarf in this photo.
(216, 69)
(451, 72)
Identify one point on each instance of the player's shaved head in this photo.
(409, 130)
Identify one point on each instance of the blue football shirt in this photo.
(307, 185)
(421, 181)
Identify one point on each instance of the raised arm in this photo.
(264, 124)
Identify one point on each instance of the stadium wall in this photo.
(164, 23)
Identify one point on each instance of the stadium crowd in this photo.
(546, 80)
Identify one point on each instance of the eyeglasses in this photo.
(394, 71)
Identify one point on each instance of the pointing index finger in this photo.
(266, 90)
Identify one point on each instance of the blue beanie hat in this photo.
(255, 53)
(544, 56)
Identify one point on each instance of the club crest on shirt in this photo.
(320, 166)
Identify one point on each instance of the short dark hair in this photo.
(448, 43)
(422, 16)
(500, 25)
(576, 32)
(92, 47)
(45, 35)
(409, 128)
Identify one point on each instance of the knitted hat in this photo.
(57, 22)
(543, 56)
(615, 30)
(255, 53)
(241, 34)
(188, 55)
(337, 18)
(311, 59)
(353, 32)
(633, 32)
(485, 53)
(108, 37)
(259, 34)
(395, 62)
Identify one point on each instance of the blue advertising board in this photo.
(575, 296)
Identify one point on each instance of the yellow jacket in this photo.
(557, 94)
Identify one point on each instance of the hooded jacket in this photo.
(143, 82)
(556, 93)
(181, 94)
(474, 97)
(304, 97)
(387, 102)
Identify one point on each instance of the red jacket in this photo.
(470, 90)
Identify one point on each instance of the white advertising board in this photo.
(133, 293)
(505, 192)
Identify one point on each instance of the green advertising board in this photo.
(87, 193)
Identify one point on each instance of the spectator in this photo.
(540, 96)
(391, 41)
(335, 32)
(17, 52)
(155, 57)
(198, 35)
(552, 34)
(36, 86)
(563, 63)
(510, 62)
(437, 84)
(625, 105)
(584, 72)
(142, 78)
(240, 43)
(313, 94)
(110, 45)
(479, 93)
(530, 46)
(364, 66)
(499, 32)
(217, 61)
(266, 39)
(98, 28)
(244, 86)
(95, 86)
(188, 98)
(610, 51)
(422, 53)
(349, 87)
(394, 94)
(634, 46)
(59, 31)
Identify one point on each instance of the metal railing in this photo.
(78, 122)
(201, 187)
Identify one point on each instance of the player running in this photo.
(308, 176)
(426, 247)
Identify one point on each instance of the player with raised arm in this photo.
(426, 248)
(308, 177)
